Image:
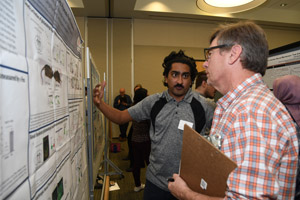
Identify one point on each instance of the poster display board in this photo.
(97, 116)
(282, 61)
(42, 138)
(96, 124)
(199, 65)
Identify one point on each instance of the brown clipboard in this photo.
(203, 167)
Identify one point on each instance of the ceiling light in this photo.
(75, 3)
(228, 3)
(283, 4)
(227, 6)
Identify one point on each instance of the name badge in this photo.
(183, 122)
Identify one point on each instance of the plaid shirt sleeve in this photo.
(266, 154)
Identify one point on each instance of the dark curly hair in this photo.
(179, 57)
(139, 95)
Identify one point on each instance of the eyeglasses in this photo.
(207, 51)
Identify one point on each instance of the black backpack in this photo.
(197, 108)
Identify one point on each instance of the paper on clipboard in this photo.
(204, 167)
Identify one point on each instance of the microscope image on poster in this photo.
(46, 147)
(47, 78)
(58, 191)
(42, 147)
(47, 74)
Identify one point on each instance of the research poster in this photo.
(98, 131)
(96, 124)
(285, 61)
(42, 136)
(14, 116)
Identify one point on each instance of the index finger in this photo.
(98, 85)
(96, 89)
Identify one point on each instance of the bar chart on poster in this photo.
(43, 142)
(282, 61)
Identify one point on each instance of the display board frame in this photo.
(95, 123)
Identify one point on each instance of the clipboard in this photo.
(203, 167)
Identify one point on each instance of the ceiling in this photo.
(269, 13)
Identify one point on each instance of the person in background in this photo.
(122, 102)
(206, 91)
(203, 88)
(167, 127)
(140, 140)
(137, 86)
(256, 130)
(287, 90)
(130, 154)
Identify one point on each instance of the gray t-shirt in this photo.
(166, 141)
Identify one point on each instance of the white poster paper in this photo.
(14, 112)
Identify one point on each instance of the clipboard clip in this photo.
(215, 139)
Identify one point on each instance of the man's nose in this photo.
(205, 64)
(179, 79)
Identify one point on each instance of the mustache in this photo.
(179, 85)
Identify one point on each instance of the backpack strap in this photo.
(156, 108)
(199, 115)
(197, 108)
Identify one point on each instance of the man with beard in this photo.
(168, 112)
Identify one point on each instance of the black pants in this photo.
(130, 152)
(123, 129)
(152, 192)
(141, 152)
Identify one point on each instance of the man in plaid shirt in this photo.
(256, 130)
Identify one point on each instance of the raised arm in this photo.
(115, 115)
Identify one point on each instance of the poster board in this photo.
(96, 125)
(282, 61)
(43, 143)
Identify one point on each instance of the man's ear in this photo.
(235, 53)
(165, 79)
(204, 84)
